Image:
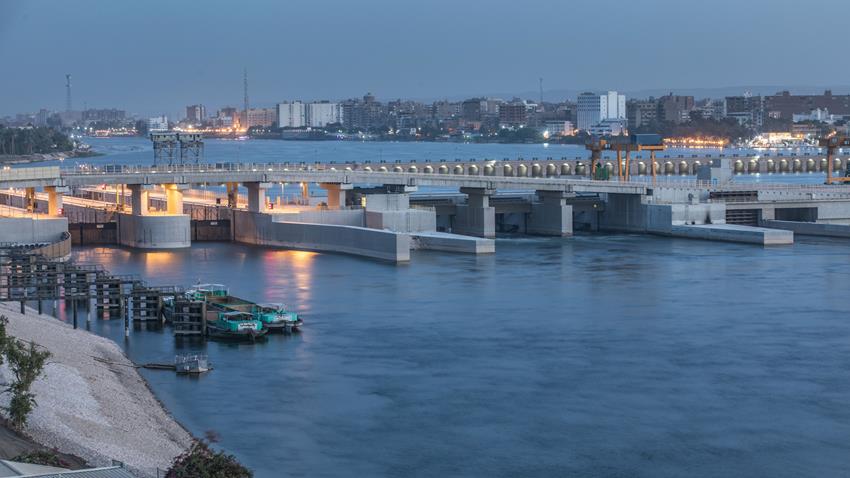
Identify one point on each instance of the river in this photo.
(595, 355)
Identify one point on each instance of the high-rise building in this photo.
(196, 114)
(322, 113)
(593, 108)
(106, 115)
(158, 123)
(367, 114)
(748, 110)
(784, 105)
(674, 108)
(514, 113)
(472, 109)
(265, 117)
(641, 112)
(291, 114)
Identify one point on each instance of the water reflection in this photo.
(545, 359)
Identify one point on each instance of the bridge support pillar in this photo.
(476, 217)
(336, 194)
(174, 197)
(29, 200)
(54, 199)
(551, 216)
(305, 193)
(257, 196)
(139, 198)
(232, 195)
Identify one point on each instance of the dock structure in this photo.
(27, 274)
(378, 211)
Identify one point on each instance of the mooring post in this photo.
(74, 305)
(23, 307)
(126, 317)
(40, 306)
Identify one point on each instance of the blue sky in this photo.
(157, 56)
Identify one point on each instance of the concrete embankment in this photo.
(810, 228)
(734, 233)
(441, 241)
(92, 402)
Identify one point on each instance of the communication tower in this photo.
(68, 92)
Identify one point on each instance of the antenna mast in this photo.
(541, 92)
(68, 92)
(245, 91)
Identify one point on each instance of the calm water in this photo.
(135, 150)
(603, 355)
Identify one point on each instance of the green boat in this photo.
(237, 326)
(277, 318)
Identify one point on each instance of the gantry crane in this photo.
(620, 144)
(832, 142)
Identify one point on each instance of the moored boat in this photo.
(276, 318)
(237, 326)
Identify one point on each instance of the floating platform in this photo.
(734, 233)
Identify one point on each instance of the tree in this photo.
(26, 361)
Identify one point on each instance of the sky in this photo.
(156, 56)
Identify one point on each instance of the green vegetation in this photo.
(18, 141)
(727, 128)
(520, 135)
(42, 457)
(26, 362)
(201, 461)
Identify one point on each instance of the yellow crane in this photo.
(620, 144)
(831, 143)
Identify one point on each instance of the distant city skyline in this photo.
(157, 57)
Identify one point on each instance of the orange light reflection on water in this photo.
(299, 280)
(158, 262)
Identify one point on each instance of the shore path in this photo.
(97, 411)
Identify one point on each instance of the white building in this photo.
(558, 128)
(158, 123)
(609, 127)
(291, 114)
(593, 108)
(321, 113)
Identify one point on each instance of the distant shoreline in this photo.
(9, 159)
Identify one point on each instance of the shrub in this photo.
(42, 457)
(203, 462)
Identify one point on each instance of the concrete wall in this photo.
(258, 228)
(27, 230)
(340, 217)
(550, 219)
(411, 220)
(154, 232)
(473, 221)
(624, 213)
(387, 202)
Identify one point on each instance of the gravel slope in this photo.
(90, 409)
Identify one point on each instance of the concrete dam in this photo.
(382, 213)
